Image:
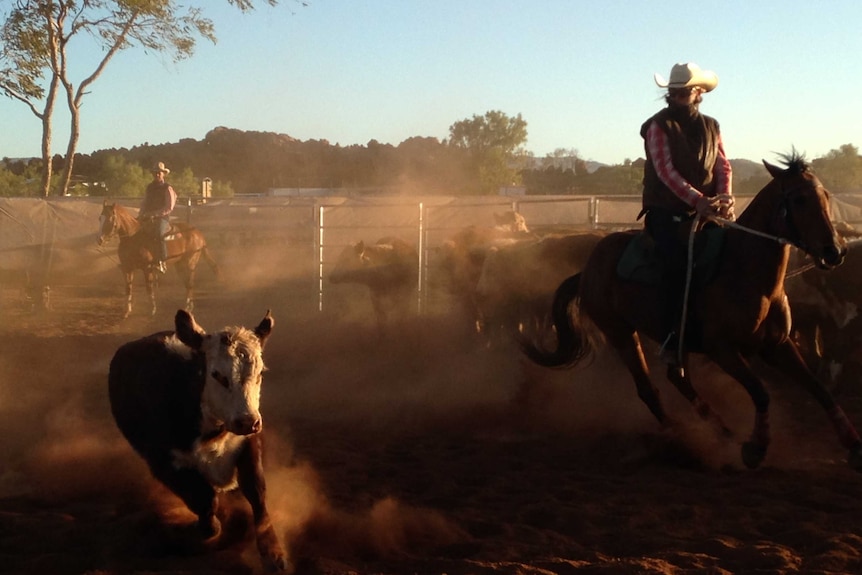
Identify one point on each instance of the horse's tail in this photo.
(572, 342)
(211, 261)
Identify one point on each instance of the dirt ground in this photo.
(421, 452)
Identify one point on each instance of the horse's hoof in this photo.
(209, 529)
(854, 459)
(273, 556)
(753, 454)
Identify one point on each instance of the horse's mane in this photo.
(125, 219)
(123, 212)
(795, 162)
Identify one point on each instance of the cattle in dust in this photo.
(826, 307)
(510, 221)
(516, 288)
(189, 403)
(389, 269)
(460, 259)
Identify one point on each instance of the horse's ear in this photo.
(359, 247)
(264, 328)
(188, 331)
(774, 171)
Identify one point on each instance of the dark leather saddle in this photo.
(640, 263)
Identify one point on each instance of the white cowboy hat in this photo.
(688, 75)
(160, 167)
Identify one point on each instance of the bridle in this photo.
(792, 238)
(103, 220)
(782, 213)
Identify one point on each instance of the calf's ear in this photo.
(188, 331)
(264, 328)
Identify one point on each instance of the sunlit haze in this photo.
(580, 74)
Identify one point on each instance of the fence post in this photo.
(320, 211)
(420, 299)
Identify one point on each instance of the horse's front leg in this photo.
(129, 276)
(787, 359)
(680, 378)
(151, 290)
(732, 362)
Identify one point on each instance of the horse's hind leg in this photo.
(629, 348)
(187, 268)
(211, 261)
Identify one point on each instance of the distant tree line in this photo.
(481, 155)
(240, 162)
(36, 56)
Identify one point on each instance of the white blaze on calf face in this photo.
(231, 394)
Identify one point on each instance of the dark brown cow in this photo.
(188, 403)
(460, 260)
(390, 270)
(826, 313)
(516, 288)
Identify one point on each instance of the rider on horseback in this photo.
(159, 201)
(686, 174)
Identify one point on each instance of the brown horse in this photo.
(186, 245)
(741, 313)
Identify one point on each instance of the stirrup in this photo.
(669, 351)
(161, 268)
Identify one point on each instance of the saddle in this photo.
(151, 231)
(639, 262)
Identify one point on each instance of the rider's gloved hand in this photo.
(725, 206)
(706, 207)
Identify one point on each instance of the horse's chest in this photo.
(215, 459)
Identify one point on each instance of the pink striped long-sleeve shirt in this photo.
(659, 150)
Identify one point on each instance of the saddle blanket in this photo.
(640, 264)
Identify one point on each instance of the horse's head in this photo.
(804, 214)
(107, 222)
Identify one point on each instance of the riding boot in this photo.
(163, 249)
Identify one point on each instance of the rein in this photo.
(731, 224)
(785, 196)
(122, 225)
(689, 268)
(783, 241)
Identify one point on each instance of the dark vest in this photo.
(156, 198)
(693, 141)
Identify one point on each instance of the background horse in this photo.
(741, 313)
(186, 245)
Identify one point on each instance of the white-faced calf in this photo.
(189, 403)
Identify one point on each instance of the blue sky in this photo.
(580, 73)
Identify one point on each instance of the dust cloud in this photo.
(421, 449)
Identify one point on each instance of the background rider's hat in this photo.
(688, 75)
(160, 167)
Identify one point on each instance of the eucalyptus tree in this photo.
(495, 143)
(36, 42)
